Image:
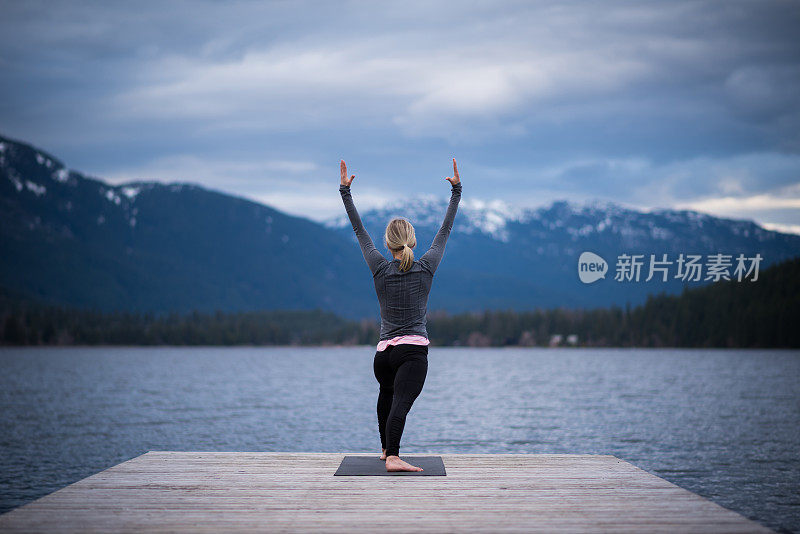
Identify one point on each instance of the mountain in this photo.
(71, 239)
(506, 257)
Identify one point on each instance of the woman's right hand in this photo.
(343, 170)
(452, 179)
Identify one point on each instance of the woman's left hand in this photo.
(455, 179)
(343, 170)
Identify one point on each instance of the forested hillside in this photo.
(764, 313)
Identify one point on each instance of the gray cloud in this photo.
(646, 103)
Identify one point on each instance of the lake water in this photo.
(722, 423)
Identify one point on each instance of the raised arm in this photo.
(372, 256)
(431, 259)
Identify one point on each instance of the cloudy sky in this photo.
(649, 104)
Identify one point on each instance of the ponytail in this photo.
(400, 238)
(407, 258)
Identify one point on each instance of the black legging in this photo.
(400, 370)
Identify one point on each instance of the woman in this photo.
(402, 285)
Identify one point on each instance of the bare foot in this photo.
(383, 454)
(394, 463)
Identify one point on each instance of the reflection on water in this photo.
(722, 423)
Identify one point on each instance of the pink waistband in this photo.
(411, 339)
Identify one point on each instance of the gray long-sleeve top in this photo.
(403, 296)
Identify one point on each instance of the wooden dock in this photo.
(297, 492)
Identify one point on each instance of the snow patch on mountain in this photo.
(61, 175)
(111, 196)
(490, 218)
(35, 188)
(17, 184)
(131, 192)
(41, 160)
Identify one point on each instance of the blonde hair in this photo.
(400, 236)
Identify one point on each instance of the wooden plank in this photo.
(289, 492)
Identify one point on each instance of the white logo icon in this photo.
(591, 267)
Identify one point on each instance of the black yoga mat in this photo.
(432, 466)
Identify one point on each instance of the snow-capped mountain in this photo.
(596, 219)
(513, 257)
(425, 211)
